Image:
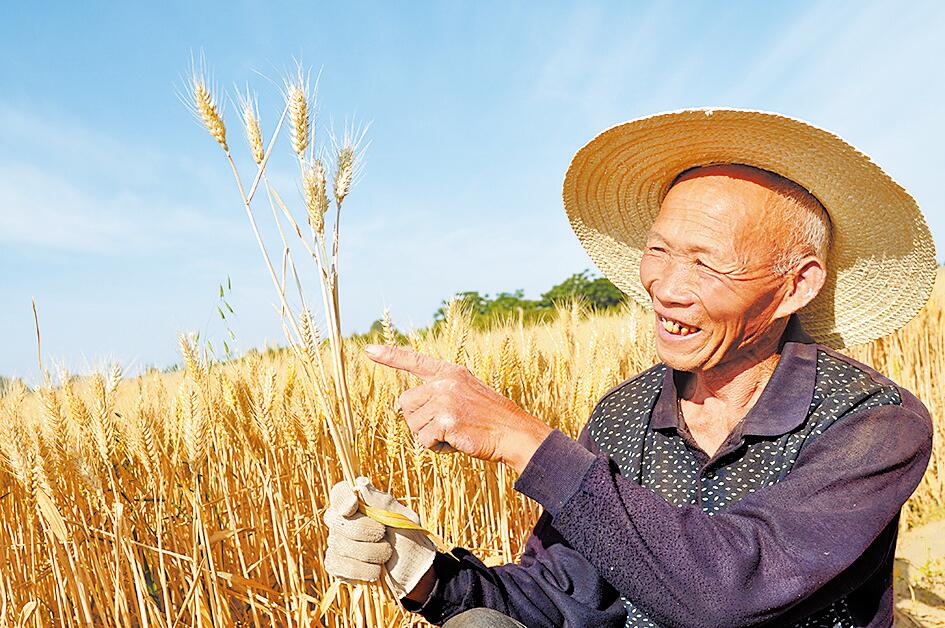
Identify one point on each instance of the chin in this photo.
(679, 362)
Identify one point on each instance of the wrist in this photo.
(525, 443)
(421, 591)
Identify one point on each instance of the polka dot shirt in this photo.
(657, 451)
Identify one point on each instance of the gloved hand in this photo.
(359, 545)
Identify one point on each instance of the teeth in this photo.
(675, 328)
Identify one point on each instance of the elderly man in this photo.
(754, 475)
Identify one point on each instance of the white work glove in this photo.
(359, 545)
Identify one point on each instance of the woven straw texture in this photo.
(882, 263)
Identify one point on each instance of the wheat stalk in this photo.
(390, 338)
(297, 101)
(316, 197)
(204, 106)
(250, 110)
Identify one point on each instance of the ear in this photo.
(804, 282)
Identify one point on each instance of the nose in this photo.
(673, 285)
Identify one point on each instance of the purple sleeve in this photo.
(763, 556)
(551, 585)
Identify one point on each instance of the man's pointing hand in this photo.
(452, 406)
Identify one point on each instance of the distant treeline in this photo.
(597, 293)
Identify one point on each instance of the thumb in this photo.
(342, 499)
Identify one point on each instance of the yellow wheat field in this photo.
(195, 498)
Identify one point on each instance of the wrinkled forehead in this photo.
(773, 192)
(728, 216)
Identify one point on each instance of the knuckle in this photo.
(381, 553)
(329, 518)
(414, 422)
(425, 439)
(446, 420)
(372, 573)
(450, 408)
(371, 531)
(402, 399)
(446, 386)
(438, 419)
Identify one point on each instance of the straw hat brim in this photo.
(881, 265)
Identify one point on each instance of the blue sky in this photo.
(118, 214)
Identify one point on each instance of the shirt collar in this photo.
(785, 401)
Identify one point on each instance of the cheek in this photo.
(736, 308)
(722, 304)
(759, 314)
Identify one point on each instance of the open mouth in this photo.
(676, 328)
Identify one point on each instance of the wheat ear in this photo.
(205, 107)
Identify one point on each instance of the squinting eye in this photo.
(705, 266)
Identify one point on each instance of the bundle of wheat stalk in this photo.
(329, 386)
(300, 328)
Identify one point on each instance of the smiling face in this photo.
(709, 269)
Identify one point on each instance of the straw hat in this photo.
(881, 266)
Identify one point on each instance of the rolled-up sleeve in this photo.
(769, 555)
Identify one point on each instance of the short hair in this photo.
(793, 205)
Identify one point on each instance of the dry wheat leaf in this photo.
(28, 609)
(390, 519)
(51, 515)
(221, 535)
(329, 598)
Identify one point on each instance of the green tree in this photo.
(486, 310)
(599, 292)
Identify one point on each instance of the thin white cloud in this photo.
(43, 209)
(56, 141)
(609, 76)
(82, 191)
(880, 61)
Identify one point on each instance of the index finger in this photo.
(408, 360)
